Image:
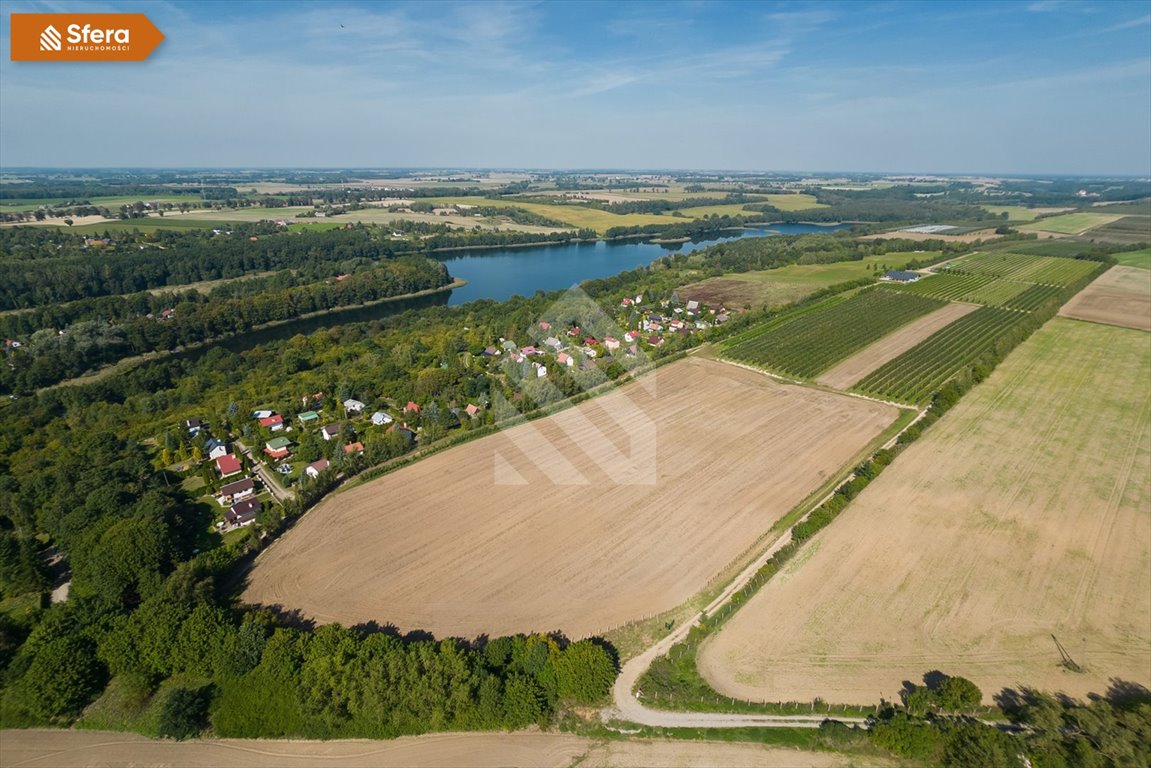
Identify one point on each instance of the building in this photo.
(308, 417)
(237, 491)
(275, 422)
(353, 406)
(379, 418)
(314, 469)
(899, 276)
(243, 512)
(330, 432)
(215, 448)
(228, 465)
(277, 447)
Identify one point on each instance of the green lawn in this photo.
(12, 205)
(772, 287)
(1141, 259)
(149, 224)
(1070, 223)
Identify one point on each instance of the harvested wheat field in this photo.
(537, 528)
(1024, 513)
(1120, 296)
(80, 749)
(850, 371)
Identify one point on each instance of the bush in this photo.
(184, 712)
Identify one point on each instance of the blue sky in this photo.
(1042, 86)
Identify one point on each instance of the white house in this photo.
(353, 406)
(379, 418)
(314, 469)
(216, 448)
(330, 432)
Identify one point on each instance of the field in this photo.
(970, 237)
(812, 341)
(773, 287)
(440, 546)
(1127, 230)
(1121, 296)
(1140, 259)
(914, 376)
(524, 749)
(575, 214)
(847, 373)
(1050, 270)
(1024, 513)
(1070, 223)
(1020, 213)
(372, 215)
(980, 289)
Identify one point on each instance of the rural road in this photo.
(279, 493)
(625, 705)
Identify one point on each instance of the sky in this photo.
(1027, 87)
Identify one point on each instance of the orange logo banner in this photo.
(83, 37)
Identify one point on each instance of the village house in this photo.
(379, 418)
(215, 448)
(228, 465)
(275, 422)
(353, 406)
(411, 407)
(610, 343)
(262, 414)
(554, 343)
(243, 512)
(330, 432)
(314, 469)
(277, 447)
(356, 448)
(193, 426)
(472, 410)
(233, 492)
(565, 359)
(308, 417)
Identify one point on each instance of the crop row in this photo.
(916, 374)
(811, 343)
(1033, 297)
(1050, 270)
(979, 289)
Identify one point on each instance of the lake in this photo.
(500, 273)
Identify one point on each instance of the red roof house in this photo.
(228, 465)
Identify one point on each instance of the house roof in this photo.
(353, 405)
(411, 406)
(318, 466)
(901, 276)
(309, 416)
(246, 506)
(228, 464)
(278, 443)
(331, 429)
(231, 489)
(354, 448)
(271, 421)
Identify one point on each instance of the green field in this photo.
(1071, 223)
(917, 374)
(774, 287)
(574, 214)
(1031, 269)
(1141, 259)
(1129, 230)
(149, 224)
(975, 288)
(810, 342)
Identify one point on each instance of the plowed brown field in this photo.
(1121, 296)
(1024, 513)
(532, 529)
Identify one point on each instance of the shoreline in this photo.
(125, 364)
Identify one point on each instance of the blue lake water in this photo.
(500, 273)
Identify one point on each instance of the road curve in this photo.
(625, 704)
